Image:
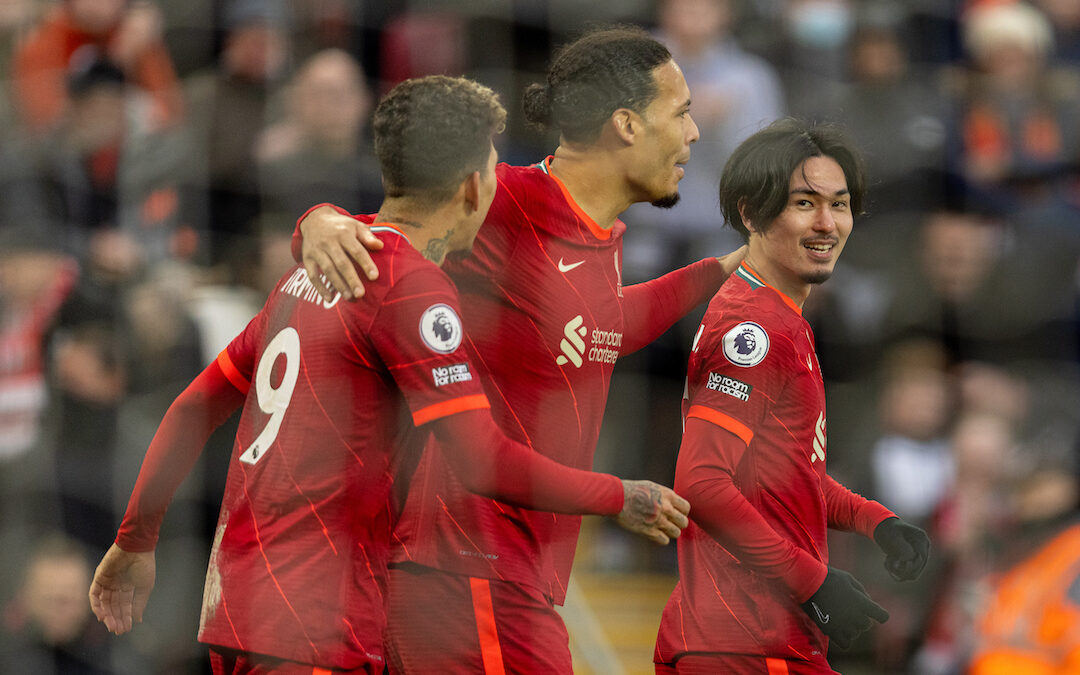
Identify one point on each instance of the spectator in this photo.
(972, 294)
(735, 93)
(972, 526)
(810, 50)
(230, 107)
(35, 279)
(320, 152)
(97, 169)
(913, 468)
(129, 34)
(1017, 125)
(47, 628)
(894, 114)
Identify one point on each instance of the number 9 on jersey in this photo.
(274, 400)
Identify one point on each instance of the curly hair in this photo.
(591, 78)
(432, 132)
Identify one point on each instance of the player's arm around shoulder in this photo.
(331, 244)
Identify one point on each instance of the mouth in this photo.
(820, 250)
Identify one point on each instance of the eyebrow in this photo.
(811, 191)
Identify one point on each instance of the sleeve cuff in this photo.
(807, 575)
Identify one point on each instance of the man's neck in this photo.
(594, 180)
(796, 289)
(429, 230)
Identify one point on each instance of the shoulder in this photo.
(398, 261)
(747, 323)
(522, 181)
(520, 195)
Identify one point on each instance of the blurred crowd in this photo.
(155, 156)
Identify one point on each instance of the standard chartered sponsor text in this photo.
(602, 341)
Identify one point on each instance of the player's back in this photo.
(297, 568)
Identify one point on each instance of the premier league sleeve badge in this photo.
(746, 344)
(440, 328)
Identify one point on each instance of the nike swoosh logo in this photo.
(822, 617)
(564, 268)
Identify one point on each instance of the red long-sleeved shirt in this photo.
(547, 318)
(752, 465)
(337, 397)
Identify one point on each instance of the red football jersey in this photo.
(547, 318)
(297, 569)
(754, 387)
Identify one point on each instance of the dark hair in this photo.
(593, 77)
(432, 132)
(758, 173)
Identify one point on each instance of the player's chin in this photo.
(817, 276)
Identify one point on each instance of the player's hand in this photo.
(653, 511)
(842, 608)
(906, 547)
(731, 261)
(121, 587)
(332, 244)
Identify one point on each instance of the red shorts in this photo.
(448, 623)
(742, 664)
(233, 662)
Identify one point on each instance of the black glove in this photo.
(906, 548)
(842, 609)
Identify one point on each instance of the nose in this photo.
(825, 222)
(694, 133)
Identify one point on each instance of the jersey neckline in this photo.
(747, 274)
(387, 227)
(598, 232)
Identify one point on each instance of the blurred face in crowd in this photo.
(255, 51)
(694, 23)
(55, 598)
(958, 252)
(96, 16)
(877, 56)
(331, 100)
(97, 118)
(915, 404)
(801, 246)
(668, 132)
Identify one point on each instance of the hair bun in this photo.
(536, 103)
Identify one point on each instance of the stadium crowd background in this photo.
(150, 180)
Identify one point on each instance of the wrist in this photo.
(882, 528)
(808, 576)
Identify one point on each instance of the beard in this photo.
(816, 278)
(667, 201)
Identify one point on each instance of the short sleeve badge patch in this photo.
(746, 344)
(440, 328)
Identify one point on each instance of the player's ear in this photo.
(625, 123)
(742, 215)
(471, 191)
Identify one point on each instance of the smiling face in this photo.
(801, 246)
(667, 134)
